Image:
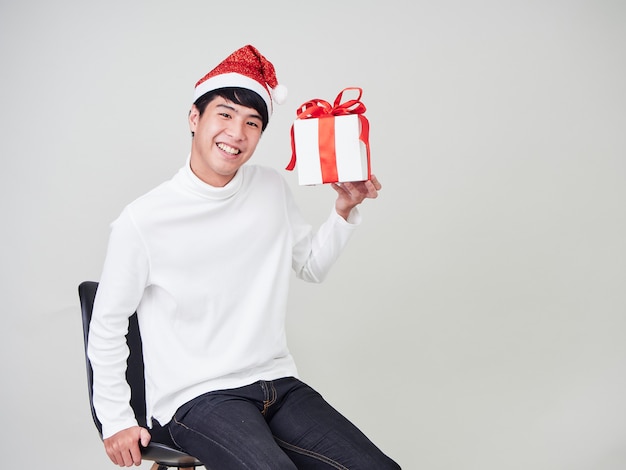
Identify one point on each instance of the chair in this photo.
(161, 450)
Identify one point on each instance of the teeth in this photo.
(228, 149)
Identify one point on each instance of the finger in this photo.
(145, 437)
(113, 458)
(372, 191)
(376, 183)
(346, 190)
(337, 187)
(348, 187)
(366, 189)
(362, 190)
(125, 459)
(135, 455)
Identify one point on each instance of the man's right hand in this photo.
(123, 446)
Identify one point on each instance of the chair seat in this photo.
(167, 456)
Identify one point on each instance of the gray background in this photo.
(476, 321)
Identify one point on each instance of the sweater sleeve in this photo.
(122, 283)
(314, 253)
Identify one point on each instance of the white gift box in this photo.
(330, 143)
(329, 150)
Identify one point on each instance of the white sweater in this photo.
(207, 269)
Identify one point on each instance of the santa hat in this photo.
(245, 68)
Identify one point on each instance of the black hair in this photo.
(240, 96)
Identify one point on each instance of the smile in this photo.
(228, 149)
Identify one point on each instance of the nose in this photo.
(236, 129)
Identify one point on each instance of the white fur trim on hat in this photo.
(233, 80)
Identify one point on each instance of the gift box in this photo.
(330, 143)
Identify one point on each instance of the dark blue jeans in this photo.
(272, 425)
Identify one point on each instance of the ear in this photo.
(194, 118)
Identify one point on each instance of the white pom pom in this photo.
(279, 94)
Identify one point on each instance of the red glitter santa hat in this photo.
(245, 68)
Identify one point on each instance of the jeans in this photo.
(272, 425)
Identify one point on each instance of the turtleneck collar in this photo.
(187, 178)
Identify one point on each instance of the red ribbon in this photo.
(320, 109)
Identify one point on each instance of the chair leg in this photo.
(156, 466)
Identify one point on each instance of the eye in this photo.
(253, 124)
(225, 115)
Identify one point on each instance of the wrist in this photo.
(343, 212)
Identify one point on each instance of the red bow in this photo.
(318, 108)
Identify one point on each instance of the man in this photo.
(205, 260)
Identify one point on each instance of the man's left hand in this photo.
(350, 195)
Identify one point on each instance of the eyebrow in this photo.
(233, 109)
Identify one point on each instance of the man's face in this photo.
(225, 137)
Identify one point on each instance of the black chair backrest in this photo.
(161, 449)
(135, 369)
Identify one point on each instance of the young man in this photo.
(205, 259)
